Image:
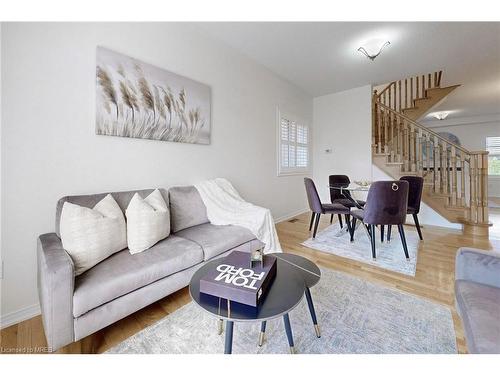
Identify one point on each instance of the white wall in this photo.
(49, 148)
(342, 123)
(1, 258)
(472, 133)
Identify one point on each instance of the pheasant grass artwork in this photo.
(138, 100)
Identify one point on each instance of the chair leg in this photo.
(389, 227)
(331, 218)
(353, 228)
(403, 240)
(316, 225)
(381, 233)
(417, 224)
(348, 223)
(312, 220)
(340, 220)
(372, 239)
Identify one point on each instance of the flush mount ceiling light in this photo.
(440, 115)
(371, 53)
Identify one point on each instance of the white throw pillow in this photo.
(91, 235)
(148, 221)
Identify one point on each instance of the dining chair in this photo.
(415, 188)
(336, 196)
(386, 204)
(318, 208)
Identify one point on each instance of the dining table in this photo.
(346, 190)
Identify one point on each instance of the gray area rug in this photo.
(390, 255)
(355, 316)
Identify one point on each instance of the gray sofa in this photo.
(477, 293)
(75, 307)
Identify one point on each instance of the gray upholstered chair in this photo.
(415, 189)
(336, 196)
(319, 208)
(386, 204)
(477, 296)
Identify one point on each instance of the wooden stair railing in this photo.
(451, 172)
(399, 95)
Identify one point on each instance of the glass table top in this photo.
(351, 187)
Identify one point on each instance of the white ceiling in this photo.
(322, 58)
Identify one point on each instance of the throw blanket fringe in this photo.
(226, 207)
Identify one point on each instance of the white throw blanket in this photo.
(225, 207)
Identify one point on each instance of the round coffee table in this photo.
(294, 276)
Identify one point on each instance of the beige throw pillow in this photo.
(90, 235)
(148, 221)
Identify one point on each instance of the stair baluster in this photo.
(452, 174)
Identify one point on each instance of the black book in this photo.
(235, 280)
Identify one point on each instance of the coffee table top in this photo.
(285, 292)
(309, 270)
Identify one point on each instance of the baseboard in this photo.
(289, 216)
(19, 315)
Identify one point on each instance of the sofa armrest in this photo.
(479, 266)
(55, 289)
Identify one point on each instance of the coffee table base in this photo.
(228, 349)
(312, 311)
(262, 333)
(289, 334)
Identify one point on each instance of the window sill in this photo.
(294, 173)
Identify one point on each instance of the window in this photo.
(293, 145)
(493, 146)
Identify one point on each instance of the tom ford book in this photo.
(236, 281)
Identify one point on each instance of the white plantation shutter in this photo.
(293, 148)
(493, 147)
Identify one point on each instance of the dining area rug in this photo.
(355, 316)
(390, 255)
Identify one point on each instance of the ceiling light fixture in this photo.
(372, 56)
(440, 115)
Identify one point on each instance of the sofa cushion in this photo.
(479, 307)
(123, 272)
(216, 239)
(186, 208)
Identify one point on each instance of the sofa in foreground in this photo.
(477, 293)
(75, 307)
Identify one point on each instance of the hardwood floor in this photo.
(433, 280)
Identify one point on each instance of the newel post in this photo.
(482, 185)
(375, 141)
(479, 219)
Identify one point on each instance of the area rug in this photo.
(390, 255)
(355, 316)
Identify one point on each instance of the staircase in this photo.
(455, 179)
